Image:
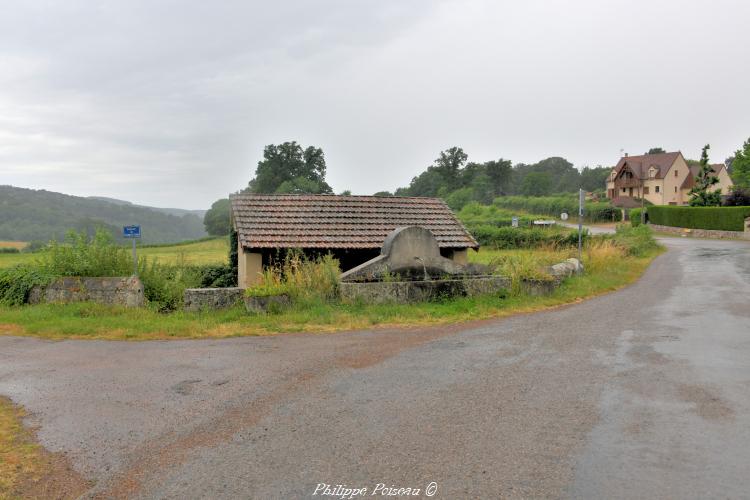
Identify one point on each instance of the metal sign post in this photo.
(133, 233)
(580, 224)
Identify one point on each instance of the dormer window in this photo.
(652, 172)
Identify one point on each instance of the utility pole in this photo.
(580, 224)
(643, 203)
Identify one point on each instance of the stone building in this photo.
(351, 228)
(662, 179)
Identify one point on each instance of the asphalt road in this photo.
(643, 393)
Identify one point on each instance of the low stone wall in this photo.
(126, 292)
(196, 299)
(701, 233)
(537, 288)
(407, 292)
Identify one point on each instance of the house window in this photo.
(645, 190)
(657, 189)
(623, 190)
(675, 173)
(675, 189)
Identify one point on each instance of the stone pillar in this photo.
(460, 256)
(249, 268)
(746, 234)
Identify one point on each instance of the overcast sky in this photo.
(170, 103)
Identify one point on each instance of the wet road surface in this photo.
(643, 393)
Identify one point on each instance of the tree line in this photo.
(291, 168)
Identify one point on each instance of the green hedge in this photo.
(555, 205)
(635, 216)
(503, 238)
(718, 218)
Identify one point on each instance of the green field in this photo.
(215, 251)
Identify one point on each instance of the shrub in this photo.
(164, 284)
(81, 256)
(219, 276)
(9, 250)
(635, 216)
(718, 218)
(636, 241)
(16, 283)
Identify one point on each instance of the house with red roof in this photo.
(662, 179)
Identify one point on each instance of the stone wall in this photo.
(407, 292)
(126, 292)
(197, 299)
(701, 233)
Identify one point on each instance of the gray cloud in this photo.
(170, 103)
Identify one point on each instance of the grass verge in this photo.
(607, 270)
(26, 469)
(18, 453)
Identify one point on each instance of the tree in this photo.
(741, 167)
(499, 173)
(536, 184)
(594, 179)
(449, 165)
(702, 196)
(216, 220)
(287, 168)
(655, 151)
(383, 193)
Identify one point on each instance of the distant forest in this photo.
(453, 177)
(31, 215)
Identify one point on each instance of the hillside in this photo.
(28, 215)
(179, 212)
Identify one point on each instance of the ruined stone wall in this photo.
(119, 291)
(197, 299)
(407, 292)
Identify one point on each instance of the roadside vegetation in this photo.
(27, 470)
(18, 454)
(611, 261)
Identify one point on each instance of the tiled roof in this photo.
(716, 168)
(640, 165)
(329, 221)
(626, 202)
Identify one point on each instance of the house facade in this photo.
(662, 179)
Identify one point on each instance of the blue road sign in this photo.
(131, 231)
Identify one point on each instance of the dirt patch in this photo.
(36, 473)
(708, 404)
(10, 329)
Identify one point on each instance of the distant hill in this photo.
(171, 211)
(28, 215)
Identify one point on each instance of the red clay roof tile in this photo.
(329, 221)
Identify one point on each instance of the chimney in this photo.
(626, 155)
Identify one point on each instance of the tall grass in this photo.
(304, 279)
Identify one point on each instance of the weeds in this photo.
(302, 278)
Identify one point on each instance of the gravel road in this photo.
(643, 393)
